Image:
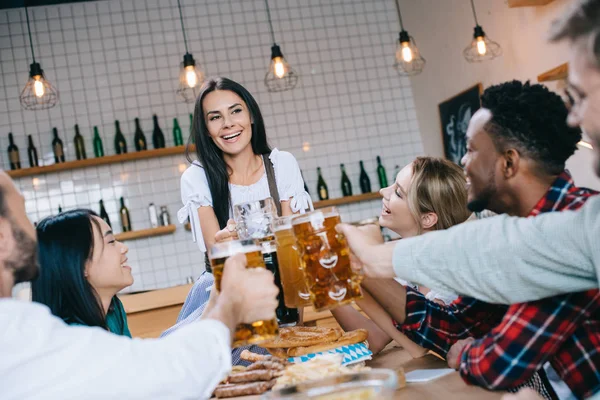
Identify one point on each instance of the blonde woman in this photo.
(428, 194)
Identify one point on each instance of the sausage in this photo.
(253, 376)
(243, 389)
(274, 365)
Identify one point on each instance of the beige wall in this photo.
(443, 28)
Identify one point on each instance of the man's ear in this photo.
(7, 240)
(429, 220)
(511, 163)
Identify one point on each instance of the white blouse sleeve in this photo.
(289, 181)
(195, 193)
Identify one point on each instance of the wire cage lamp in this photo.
(408, 57)
(190, 76)
(38, 93)
(280, 76)
(481, 48)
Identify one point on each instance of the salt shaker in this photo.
(165, 219)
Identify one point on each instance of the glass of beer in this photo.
(325, 258)
(254, 220)
(295, 292)
(256, 332)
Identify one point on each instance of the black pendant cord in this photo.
(399, 14)
(182, 28)
(270, 23)
(474, 13)
(29, 30)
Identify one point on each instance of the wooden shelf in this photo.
(93, 162)
(528, 3)
(144, 233)
(555, 74)
(347, 200)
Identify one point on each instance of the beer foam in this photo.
(312, 216)
(228, 249)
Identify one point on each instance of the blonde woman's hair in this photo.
(437, 186)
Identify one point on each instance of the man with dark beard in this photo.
(43, 358)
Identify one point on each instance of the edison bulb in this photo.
(407, 54)
(481, 48)
(278, 67)
(38, 87)
(190, 76)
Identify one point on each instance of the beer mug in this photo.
(254, 219)
(325, 258)
(295, 292)
(256, 332)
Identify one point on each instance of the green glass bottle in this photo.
(365, 182)
(346, 185)
(79, 145)
(381, 174)
(158, 139)
(177, 138)
(322, 186)
(125, 220)
(104, 214)
(120, 143)
(13, 153)
(139, 138)
(98, 148)
(32, 154)
(57, 147)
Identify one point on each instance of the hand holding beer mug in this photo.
(251, 330)
(326, 259)
(227, 233)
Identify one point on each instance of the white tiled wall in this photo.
(119, 59)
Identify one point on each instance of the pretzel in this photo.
(352, 337)
(302, 336)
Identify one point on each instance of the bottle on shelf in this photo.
(365, 182)
(177, 137)
(59, 208)
(305, 187)
(381, 174)
(104, 214)
(346, 185)
(98, 148)
(120, 143)
(165, 219)
(125, 220)
(153, 215)
(57, 147)
(322, 186)
(158, 139)
(79, 144)
(139, 139)
(13, 153)
(32, 154)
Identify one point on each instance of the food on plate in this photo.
(348, 338)
(280, 353)
(297, 336)
(255, 375)
(247, 355)
(317, 368)
(243, 389)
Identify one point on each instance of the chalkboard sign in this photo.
(455, 114)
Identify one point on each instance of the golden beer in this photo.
(256, 332)
(293, 282)
(325, 258)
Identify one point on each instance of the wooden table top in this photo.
(448, 387)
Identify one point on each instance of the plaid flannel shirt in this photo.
(520, 339)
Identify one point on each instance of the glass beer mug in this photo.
(295, 292)
(254, 220)
(256, 332)
(325, 258)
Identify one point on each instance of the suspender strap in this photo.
(272, 184)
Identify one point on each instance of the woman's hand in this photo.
(456, 351)
(227, 233)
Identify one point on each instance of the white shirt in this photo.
(195, 192)
(41, 357)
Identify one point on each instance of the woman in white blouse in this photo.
(234, 165)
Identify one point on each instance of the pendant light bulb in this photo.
(481, 48)
(407, 54)
(279, 67)
(191, 77)
(38, 86)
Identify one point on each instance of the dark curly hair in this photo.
(532, 120)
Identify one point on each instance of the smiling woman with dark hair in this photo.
(82, 268)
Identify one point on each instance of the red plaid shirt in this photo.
(564, 330)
